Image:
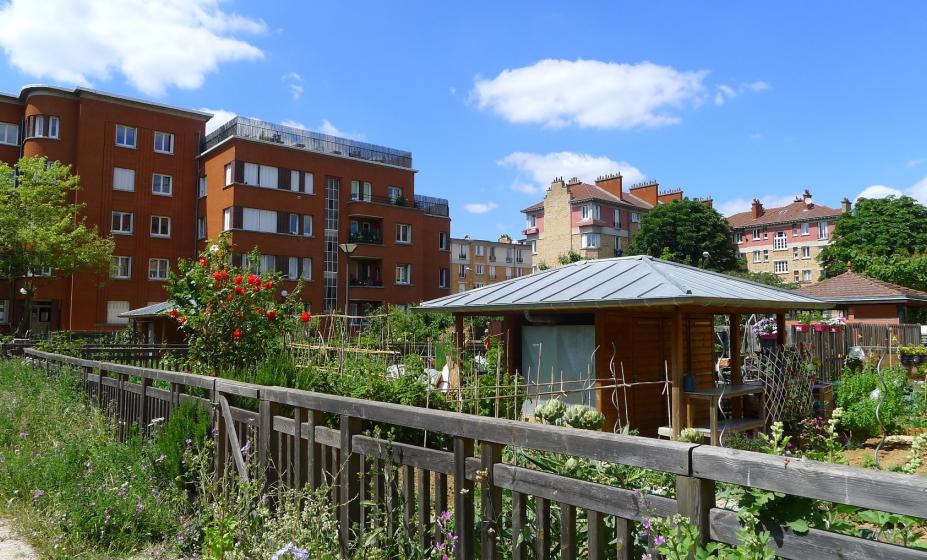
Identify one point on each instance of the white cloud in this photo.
(536, 171)
(155, 45)
(724, 92)
(295, 83)
(294, 124)
(735, 205)
(219, 118)
(328, 128)
(917, 191)
(480, 207)
(914, 162)
(589, 93)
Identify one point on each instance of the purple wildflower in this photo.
(38, 493)
(658, 540)
(293, 551)
(23, 434)
(139, 507)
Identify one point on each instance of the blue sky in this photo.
(739, 101)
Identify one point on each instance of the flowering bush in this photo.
(232, 317)
(765, 326)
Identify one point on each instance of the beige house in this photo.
(478, 262)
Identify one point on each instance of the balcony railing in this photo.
(373, 237)
(253, 129)
(393, 200)
(365, 283)
(433, 205)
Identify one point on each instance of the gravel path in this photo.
(12, 548)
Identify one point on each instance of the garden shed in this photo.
(154, 324)
(641, 328)
(864, 299)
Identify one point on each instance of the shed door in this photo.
(647, 403)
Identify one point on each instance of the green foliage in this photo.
(683, 230)
(190, 422)
(676, 538)
(570, 256)
(231, 316)
(40, 226)
(767, 278)
(402, 326)
(860, 391)
(543, 266)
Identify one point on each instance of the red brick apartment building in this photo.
(152, 178)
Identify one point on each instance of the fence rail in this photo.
(297, 448)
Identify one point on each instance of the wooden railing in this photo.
(297, 449)
(142, 355)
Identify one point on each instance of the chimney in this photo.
(557, 182)
(807, 198)
(504, 238)
(648, 192)
(757, 209)
(610, 183)
(846, 205)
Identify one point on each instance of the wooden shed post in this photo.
(733, 338)
(780, 329)
(676, 364)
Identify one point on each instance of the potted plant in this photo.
(835, 324)
(821, 326)
(805, 319)
(906, 354)
(766, 330)
(919, 355)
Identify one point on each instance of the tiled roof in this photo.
(585, 191)
(852, 286)
(794, 212)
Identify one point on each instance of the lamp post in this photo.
(348, 248)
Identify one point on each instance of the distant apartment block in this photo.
(596, 221)
(477, 262)
(786, 240)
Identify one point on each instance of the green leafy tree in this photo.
(569, 257)
(233, 317)
(41, 229)
(683, 230)
(880, 234)
(768, 278)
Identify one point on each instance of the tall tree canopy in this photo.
(885, 238)
(682, 231)
(40, 227)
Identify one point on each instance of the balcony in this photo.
(366, 231)
(365, 274)
(530, 230)
(427, 204)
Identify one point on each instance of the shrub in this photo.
(189, 425)
(859, 392)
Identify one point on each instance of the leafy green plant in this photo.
(858, 394)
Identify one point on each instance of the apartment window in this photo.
(444, 278)
(309, 187)
(251, 173)
(794, 253)
(477, 285)
(591, 241)
(795, 276)
(403, 233)
(822, 230)
(9, 134)
(122, 223)
(805, 228)
(738, 237)
(160, 226)
(479, 270)
(361, 190)
(4, 311)
(267, 177)
(307, 225)
(394, 193)
(123, 179)
(44, 271)
(162, 184)
(35, 126)
(404, 274)
(229, 174)
(591, 212)
(508, 273)
(125, 136)
(53, 127)
(781, 267)
(113, 311)
(462, 271)
(227, 219)
(794, 230)
(806, 252)
(532, 220)
(201, 188)
(480, 250)
(765, 255)
(292, 269)
(765, 233)
(781, 241)
(756, 233)
(307, 269)
(442, 240)
(534, 247)
(492, 272)
(121, 268)
(259, 220)
(757, 257)
(294, 224)
(201, 228)
(635, 218)
(265, 263)
(157, 269)
(164, 142)
(806, 276)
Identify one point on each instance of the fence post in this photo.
(121, 405)
(314, 449)
(463, 498)
(143, 406)
(490, 500)
(267, 444)
(349, 488)
(696, 497)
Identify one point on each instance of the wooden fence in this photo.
(877, 339)
(298, 449)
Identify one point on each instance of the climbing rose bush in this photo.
(232, 317)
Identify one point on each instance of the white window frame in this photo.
(806, 228)
(292, 268)
(635, 217)
(534, 246)
(591, 212)
(6, 130)
(781, 266)
(252, 174)
(361, 190)
(201, 227)
(806, 252)
(404, 234)
(307, 225)
(309, 186)
(394, 193)
(780, 241)
(229, 174)
(255, 219)
(113, 312)
(443, 239)
(480, 250)
(201, 187)
(160, 221)
(170, 139)
(123, 172)
(124, 129)
(38, 127)
(823, 233)
(117, 267)
(444, 278)
(53, 127)
(478, 270)
(738, 237)
(757, 257)
(591, 241)
(532, 220)
(756, 234)
(307, 269)
(157, 184)
(403, 274)
(806, 275)
(226, 219)
(268, 177)
(492, 272)
(765, 255)
(158, 266)
(122, 216)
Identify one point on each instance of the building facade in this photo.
(478, 262)
(595, 221)
(152, 178)
(138, 169)
(786, 240)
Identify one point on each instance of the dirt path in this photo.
(11, 547)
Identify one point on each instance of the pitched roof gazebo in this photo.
(867, 299)
(155, 326)
(646, 320)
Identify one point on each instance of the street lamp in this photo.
(348, 248)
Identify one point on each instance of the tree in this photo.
(40, 228)
(570, 256)
(879, 231)
(682, 231)
(768, 278)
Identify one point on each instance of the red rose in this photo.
(257, 288)
(237, 334)
(238, 279)
(223, 274)
(183, 318)
(229, 297)
(203, 262)
(268, 285)
(173, 313)
(216, 276)
(271, 315)
(305, 317)
(239, 290)
(252, 279)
